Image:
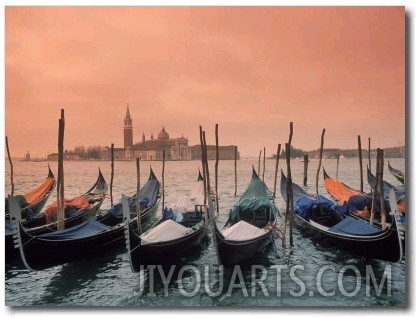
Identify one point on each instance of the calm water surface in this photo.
(307, 274)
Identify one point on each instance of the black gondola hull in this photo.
(166, 253)
(241, 252)
(384, 246)
(88, 214)
(40, 254)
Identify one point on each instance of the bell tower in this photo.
(128, 130)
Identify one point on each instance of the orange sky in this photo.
(252, 70)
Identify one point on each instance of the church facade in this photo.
(175, 148)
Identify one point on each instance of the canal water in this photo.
(308, 274)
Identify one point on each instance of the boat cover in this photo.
(147, 198)
(242, 231)
(305, 203)
(352, 226)
(39, 192)
(339, 190)
(71, 207)
(86, 229)
(355, 199)
(165, 231)
(255, 198)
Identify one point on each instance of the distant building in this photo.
(148, 149)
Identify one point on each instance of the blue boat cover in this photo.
(354, 227)
(147, 198)
(85, 229)
(304, 203)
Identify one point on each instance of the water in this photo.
(307, 274)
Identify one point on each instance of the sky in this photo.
(252, 70)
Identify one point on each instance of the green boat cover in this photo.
(257, 197)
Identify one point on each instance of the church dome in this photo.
(163, 135)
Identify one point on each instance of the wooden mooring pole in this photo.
(381, 190)
(321, 155)
(216, 168)
(276, 169)
(111, 173)
(360, 163)
(305, 169)
(203, 164)
(369, 153)
(375, 187)
(235, 170)
(11, 166)
(263, 169)
(138, 210)
(163, 180)
(60, 187)
(207, 165)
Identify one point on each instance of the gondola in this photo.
(85, 240)
(180, 234)
(319, 218)
(399, 175)
(358, 205)
(32, 202)
(149, 200)
(85, 208)
(248, 231)
(357, 200)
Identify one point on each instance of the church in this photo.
(175, 148)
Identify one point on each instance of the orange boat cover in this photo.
(38, 193)
(339, 191)
(78, 202)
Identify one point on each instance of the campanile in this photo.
(128, 130)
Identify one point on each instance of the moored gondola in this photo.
(249, 230)
(82, 241)
(320, 219)
(32, 202)
(77, 211)
(149, 196)
(180, 234)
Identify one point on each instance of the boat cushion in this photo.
(242, 231)
(85, 229)
(354, 227)
(165, 231)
